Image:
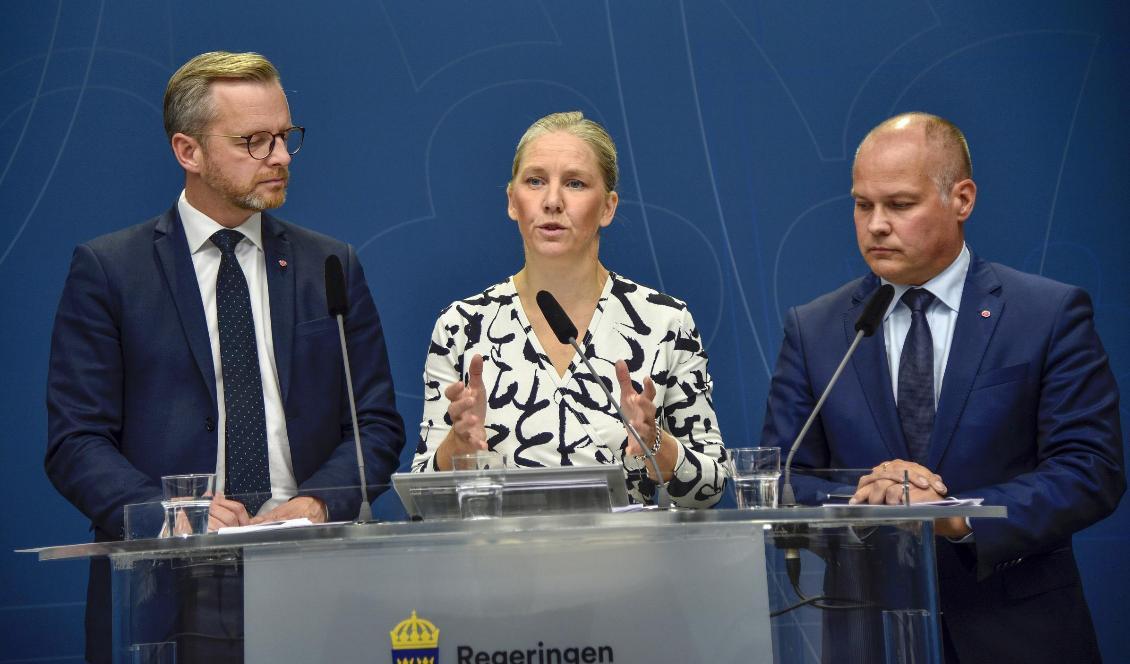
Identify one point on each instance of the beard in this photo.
(245, 197)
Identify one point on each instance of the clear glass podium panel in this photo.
(842, 592)
(807, 584)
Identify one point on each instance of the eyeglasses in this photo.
(261, 144)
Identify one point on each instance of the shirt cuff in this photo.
(688, 471)
(968, 539)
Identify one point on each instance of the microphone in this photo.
(338, 304)
(558, 320)
(336, 300)
(790, 538)
(868, 321)
(865, 326)
(566, 333)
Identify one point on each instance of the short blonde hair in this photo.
(188, 101)
(575, 123)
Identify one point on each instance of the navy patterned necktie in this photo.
(916, 376)
(247, 471)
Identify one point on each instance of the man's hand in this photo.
(300, 506)
(468, 413)
(883, 486)
(226, 512)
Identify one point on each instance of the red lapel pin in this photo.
(984, 312)
(282, 263)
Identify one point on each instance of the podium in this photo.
(807, 584)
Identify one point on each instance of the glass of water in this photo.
(756, 472)
(478, 483)
(187, 500)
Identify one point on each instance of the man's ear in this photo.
(188, 151)
(963, 197)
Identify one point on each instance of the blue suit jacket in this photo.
(131, 394)
(1027, 418)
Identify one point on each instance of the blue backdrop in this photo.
(736, 123)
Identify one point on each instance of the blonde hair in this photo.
(942, 135)
(188, 101)
(575, 123)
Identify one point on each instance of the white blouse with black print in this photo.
(538, 418)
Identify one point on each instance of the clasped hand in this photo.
(884, 486)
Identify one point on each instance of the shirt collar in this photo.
(947, 286)
(199, 227)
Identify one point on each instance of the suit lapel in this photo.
(280, 288)
(870, 364)
(971, 338)
(176, 262)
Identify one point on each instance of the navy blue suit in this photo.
(131, 393)
(1027, 418)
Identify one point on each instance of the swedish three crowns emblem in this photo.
(415, 641)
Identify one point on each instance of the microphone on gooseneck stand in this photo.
(790, 539)
(865, 326)
(338, 304)
(566, 333)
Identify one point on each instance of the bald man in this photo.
(982, 382)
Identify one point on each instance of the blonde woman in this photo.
(497, 378)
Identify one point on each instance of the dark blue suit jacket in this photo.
(1027, 418)
(131, 394)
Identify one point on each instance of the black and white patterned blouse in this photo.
(538, 418)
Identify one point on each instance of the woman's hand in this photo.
(468, 413)
(639, 410)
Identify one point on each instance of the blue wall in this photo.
(736, 123)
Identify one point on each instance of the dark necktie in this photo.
(916, 376)
(247, 471)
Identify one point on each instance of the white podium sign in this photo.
(668, 593)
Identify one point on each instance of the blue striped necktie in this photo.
(247, 471)
(916, 376)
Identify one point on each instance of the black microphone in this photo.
(338, 304)
(865, 326)
(868, 321)
(558, 320)
(566, 333)
(336, 300)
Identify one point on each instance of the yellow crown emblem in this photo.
(414, 633)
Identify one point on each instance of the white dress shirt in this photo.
(941, 315)
(198, 229)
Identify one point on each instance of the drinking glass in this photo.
(756, 472)
(187, 500)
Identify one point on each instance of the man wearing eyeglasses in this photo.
(199, 341)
